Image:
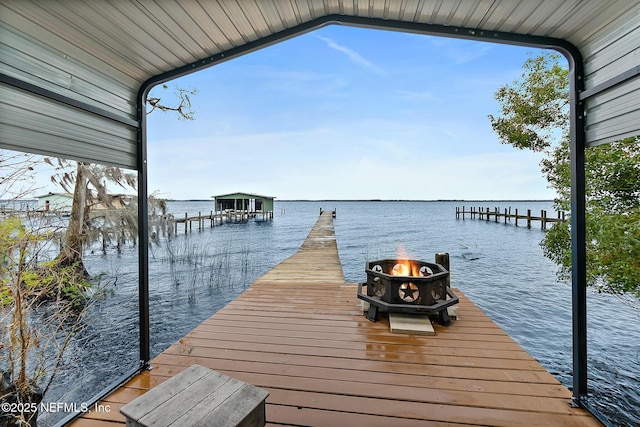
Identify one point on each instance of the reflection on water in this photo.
(500, 267)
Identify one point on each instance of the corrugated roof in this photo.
(100, 54)
(241, 195)
(55, 194)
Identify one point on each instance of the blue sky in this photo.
(347, 113)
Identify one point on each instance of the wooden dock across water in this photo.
(486, 214)
(218, 217)
(299, 332)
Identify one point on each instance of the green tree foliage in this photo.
(41, 308)
(535, 116)
(612, 212)
(534, 108)
(36, 282)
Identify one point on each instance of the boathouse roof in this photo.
(240, 195)
(242, 201)
(67, 195)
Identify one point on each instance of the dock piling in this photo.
(442, 258)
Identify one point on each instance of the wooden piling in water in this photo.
(442, 258)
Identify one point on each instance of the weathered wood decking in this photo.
(299, 332)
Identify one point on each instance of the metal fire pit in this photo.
(407, 286)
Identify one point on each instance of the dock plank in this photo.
(299, 332)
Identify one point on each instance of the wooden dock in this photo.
(217, 218)
(299, 332)
(497, 214)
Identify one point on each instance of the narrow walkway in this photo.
(299, 332)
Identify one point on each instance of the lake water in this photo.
(500, 267)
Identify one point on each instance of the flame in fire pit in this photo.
(408, 267)
(401, 269)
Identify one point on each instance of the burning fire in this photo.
(407, 267)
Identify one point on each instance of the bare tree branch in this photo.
(181, 105)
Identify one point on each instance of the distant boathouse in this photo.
(246, 203)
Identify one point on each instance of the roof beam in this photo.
(40, 91)
(611, 83)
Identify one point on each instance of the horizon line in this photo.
(381, 200)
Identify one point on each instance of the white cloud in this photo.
(305, 83)
(460, 52)
(353, 55)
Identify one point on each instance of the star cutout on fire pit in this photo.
(408, 292)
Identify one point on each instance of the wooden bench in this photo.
(198, 396)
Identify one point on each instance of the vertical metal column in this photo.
(578, 232)
(143, 232)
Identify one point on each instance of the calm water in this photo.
(500, 267)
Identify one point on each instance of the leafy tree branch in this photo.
(534, 116)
